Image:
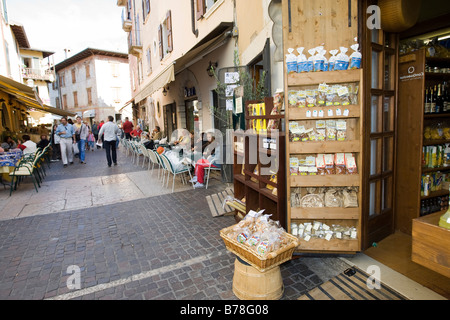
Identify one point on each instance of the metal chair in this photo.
(211, 168)
(170, 169)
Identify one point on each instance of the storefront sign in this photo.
(411, 74)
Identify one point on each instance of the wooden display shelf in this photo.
(428, 170)
(329, 77)
(300, 113)
(332, 180)
(325, 213)
(436, 142)
(430, 244)
(325, 147)
(334, 245)
(435, 194)
(436, 115)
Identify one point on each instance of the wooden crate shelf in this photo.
(330, 77)
(325, 213)
(325, 147)
(332, 180)
(300, 113)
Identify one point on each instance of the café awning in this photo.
(164, 77)
(89, 114)
(28, 97)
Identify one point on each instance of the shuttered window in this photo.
(201, 9)
(169, 31)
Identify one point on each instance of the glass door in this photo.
(380, 134)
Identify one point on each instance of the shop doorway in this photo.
(170, 119)
(381, 52)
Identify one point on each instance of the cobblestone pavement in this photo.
(159, 247)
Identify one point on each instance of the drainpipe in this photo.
(194, 31)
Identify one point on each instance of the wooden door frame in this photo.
(389, 221)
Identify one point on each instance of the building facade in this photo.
(173, 46)
(94, 84)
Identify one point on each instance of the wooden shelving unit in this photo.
(353, 144)
(411, 124)
(251, 186)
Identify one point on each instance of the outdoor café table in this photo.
(8, 161)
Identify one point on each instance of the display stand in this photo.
(412, 120)
(257, 188)
(352, 144)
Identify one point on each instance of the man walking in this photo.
(81, 133)
(127, 127)
(67, 134)
(109, 131)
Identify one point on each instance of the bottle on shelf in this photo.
(446, 98)
(439, 100)
(433, 98)
(427, 101)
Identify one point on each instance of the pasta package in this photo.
(350, 164)
(322, 95)
(311, 98)
(331, 130)
(329, 164)
(341, 130)
(292, 99)
(320, 164)
(339, 163)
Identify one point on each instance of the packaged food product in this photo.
(294, 163)
(355, 57)
(311, 135)
(336, 99)
(319, 59)
(333, 198)
(329, 164)
(350, 164)
(310, 62)
(320, 130)
(243, 235)
(332, 60)
(291, 61)
(344, 96)
(301, 60)
(331, 130)
(342, 59)
(301, 99)
(350, 198)
(254, 240)
(303, 170)
(353, 93)
(311, 98)
(339, 163)
(341, 130)
(320, 164)
(322, 95)
(292, 99)
(330, 96)
(312, 201)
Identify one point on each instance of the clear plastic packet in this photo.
(311, 100)
(320, 165)
(355, 57)
(342, 59)
(322, 94)
(339, 163)
(331, 130)
(336, 99)
(312, 201)
(332, 61)
(301, 99)
(292, 99)
(243, 235)
(310, 63)
(344, 95)
(330, 96)
(341, 130)
(291, 61)
(319, 59)
(254, 240)
(329, 164)
(333, 198)
(301, 60)
(350, 164)
(353, 90)
(350, 198)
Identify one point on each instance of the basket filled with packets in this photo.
(260, 241)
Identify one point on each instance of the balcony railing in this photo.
(134, 43)
(37, 74)
(127, 24)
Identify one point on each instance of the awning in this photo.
(126, 105)
(89, 114)
(164, 77)
(27, 96)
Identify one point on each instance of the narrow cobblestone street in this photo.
(130, 237)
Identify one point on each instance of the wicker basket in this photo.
(272, 260)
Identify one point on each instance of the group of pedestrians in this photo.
(78, 135)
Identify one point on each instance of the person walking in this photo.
(109, 132)
(91, 141)
(55, 140)
(67, 134)
(81, 134)
(127, 127)
(95, 130)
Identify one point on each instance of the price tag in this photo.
(308, 114)
(315, 114)
(338, 112)
(330, 112)
(339, 235)
(321, 114)
(346, 112)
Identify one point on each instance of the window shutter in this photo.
(169, 31)
(200, 9)
(144, 11)
(148, 6)
(161, 55)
